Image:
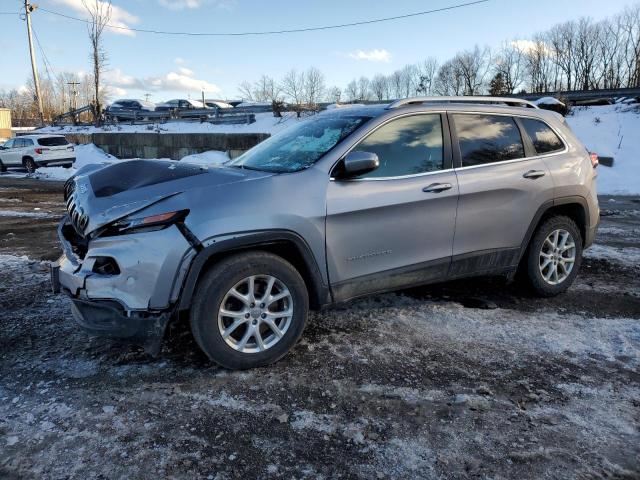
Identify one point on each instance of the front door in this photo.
(393, 227)
(11, 156)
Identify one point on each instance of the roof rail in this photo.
(512, 102)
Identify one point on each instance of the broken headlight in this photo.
(145, 224)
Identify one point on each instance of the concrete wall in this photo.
(168, 145)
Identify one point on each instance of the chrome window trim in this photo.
(372, 131)
(514, 160)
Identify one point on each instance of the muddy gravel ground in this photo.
(472, 379)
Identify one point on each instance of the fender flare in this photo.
(544, 208)
(319, 293)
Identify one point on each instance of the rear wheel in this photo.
(249, 310)
(2, 167)
(554, 256)
(30, 164)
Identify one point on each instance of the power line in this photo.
(275, 32)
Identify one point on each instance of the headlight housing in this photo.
(149, 223)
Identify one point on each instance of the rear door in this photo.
(394, 226)
(502, 185)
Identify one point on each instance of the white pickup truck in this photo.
(33, 151)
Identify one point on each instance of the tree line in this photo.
(574, 55)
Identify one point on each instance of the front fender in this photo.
(318, 291)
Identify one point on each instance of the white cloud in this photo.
(179, 61)
(112, 91)
(182, 80)
(528, 46)
(119, 16)
(192, 4)
(375, 55)
(179, 81)
(180, 4)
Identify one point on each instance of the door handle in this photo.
(533, 174)
(437, 187)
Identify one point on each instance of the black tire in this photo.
(211, 291)
(2, 167)
(29, 164)
(532, 272)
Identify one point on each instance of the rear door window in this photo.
(544, 139)
(53, 141)
(487, 138)
(406, 146)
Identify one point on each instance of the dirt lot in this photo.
(470, 379)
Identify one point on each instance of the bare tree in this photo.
(363, 88)
(293, 86)
(473, 65)
(352, 91)
(266, 89)
(246, 91)
(99, 16)
(314, 86)
(449, 79)
(539, 65)
(379, 87)
(334, 94)
(510, 64)
(426, 76)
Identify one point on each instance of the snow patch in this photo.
(211, 157)
(629, 256)
(611, 131)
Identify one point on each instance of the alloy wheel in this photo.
(255, 313)
(557, 256)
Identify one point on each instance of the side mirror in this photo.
(359, 162)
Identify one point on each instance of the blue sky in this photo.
(176, 66)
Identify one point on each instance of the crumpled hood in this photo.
(98, 196)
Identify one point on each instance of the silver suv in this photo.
(351, 202)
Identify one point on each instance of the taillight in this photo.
(594, 159)
(38, 151)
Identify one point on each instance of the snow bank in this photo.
(212, 157)
(612, 131)
(85, 155)
(548, 101)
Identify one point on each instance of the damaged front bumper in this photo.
(134, 299)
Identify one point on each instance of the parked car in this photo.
(122, 109)
(180, 104)
(33, 151)
(218, 104)
(350, 202)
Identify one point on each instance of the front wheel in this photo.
(249, 310)
(554, 256)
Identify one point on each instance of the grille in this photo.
(78, 218)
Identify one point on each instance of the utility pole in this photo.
(28, 8)
(147, 96)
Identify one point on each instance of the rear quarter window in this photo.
(53, 141)
(544, 139)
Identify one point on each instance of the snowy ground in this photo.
(469, 379)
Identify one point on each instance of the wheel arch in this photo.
(285, 244)
(574, 207)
